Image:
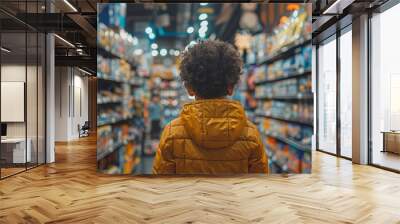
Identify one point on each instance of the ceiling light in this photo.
(337, 7)
(190, 29)
(5, 49)
(203, 29)
(152, 36)
(171, 52)
(154, 46)
(154, 53)
(203, 16)
(148, 30)
(177, 52)
(135, 41)
(202, 35)
(64, 40)
(70, 5)
(84, 71)
(163, 52)
(204, 23)
(204, 4)
(138, 52)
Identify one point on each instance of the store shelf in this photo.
(278, 163)
(290, 142)
(108, 54)
(108, 101)
(105, 100)
(290, 76)
(305, 123)
(134, 82)
(285, 52)
(114, 121)
(300, 97)
(168, 79)
(109, 150)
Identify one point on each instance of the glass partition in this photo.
(385, 89)
(22, 77)
(346, 93)
(327, 96)
(32, 98)
(15, 151)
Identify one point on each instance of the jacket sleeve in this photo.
(164, 162)
(258, 162)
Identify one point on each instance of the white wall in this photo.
(12, 73)
(71, 93)
(33, 127)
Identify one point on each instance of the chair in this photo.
(84, 130)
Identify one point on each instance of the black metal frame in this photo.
(339, 32)
(37, 164)
(387, 5)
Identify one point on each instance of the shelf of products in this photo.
(286, 51)
(119, 139)
(288, 111)
(120, 107)
(115, 42)
(170, 93)
(283, 90)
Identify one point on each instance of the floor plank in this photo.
(70, 191)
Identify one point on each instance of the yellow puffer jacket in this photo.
(211, 137)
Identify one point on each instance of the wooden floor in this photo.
(70, 191)
(386, 159)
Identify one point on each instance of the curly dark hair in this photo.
(209, 67)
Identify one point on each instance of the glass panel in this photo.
(31, 97)
(327, 97)
(41, 99)
(13, 86)
(346, 94)
(385, 128)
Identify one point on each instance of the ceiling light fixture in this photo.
(5, 50)
(154, 46)
(337, 7)
(203, 29)
(154, 53)
(204, 23)
(190, 29)
(64, 40)
(177, 52)
(148, 30)
(152, 36)
(135, 40)
(138, 52)
(204, 4)
(84, 71)
(70, 5)
(203, 16)
(163, 52)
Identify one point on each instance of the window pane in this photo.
(327, 97)
(385, 89)
(346, 94)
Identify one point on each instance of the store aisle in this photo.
(75, 192)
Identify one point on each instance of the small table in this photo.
(391, 141)
(13, 150)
